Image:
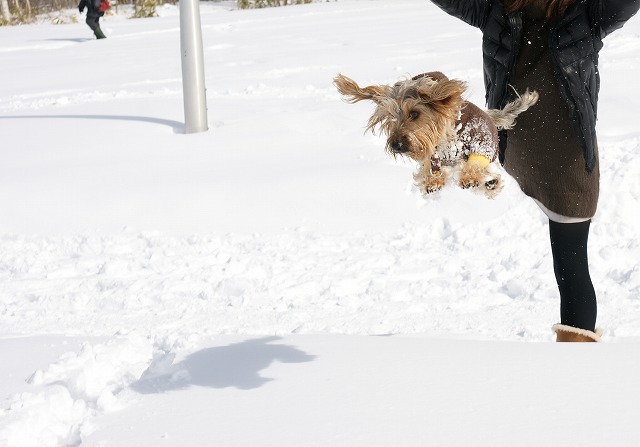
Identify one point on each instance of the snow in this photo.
(277, 280)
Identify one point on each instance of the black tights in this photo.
(578, 306)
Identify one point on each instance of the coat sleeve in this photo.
(611, 15)
(473, 12)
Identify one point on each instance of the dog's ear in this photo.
(444, 94)
(348, 88)
(435, 75)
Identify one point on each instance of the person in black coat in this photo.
(95, 10)
(552, 151)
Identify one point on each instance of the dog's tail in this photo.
(506, 117)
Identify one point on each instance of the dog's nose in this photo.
(397, 146)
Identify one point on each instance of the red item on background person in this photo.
(104, 5)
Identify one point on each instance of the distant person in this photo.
(95, 10)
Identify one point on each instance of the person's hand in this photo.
(81, 6)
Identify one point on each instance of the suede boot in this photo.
(566, 333)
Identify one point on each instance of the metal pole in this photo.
(193, 88)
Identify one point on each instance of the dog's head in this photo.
(414, 114)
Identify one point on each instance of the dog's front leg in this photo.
(429, 180)
(473, 171)
(475, 174)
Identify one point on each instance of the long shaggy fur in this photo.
(506, 118)
(437, 103)
(427, 119)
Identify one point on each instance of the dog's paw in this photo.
(429, 182)
(467, 183)
(430, 189)
(434, 183)
(481, 180)
(430, 185)
(471, 180)
(493, 186)
(472, 176)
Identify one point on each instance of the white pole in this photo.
(193, 88)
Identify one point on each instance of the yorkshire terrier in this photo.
(426, 119)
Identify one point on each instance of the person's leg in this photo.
(93, 21)
(98, 33)
(578, 304)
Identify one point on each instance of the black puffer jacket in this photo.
(575, 41)
(93, 7)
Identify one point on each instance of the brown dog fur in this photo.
(426, 119)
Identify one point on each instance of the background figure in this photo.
(95, 10)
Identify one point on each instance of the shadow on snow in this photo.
(175, 125)
(237, 365)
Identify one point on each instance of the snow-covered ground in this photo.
(276, 280)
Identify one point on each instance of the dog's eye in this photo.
(413, 115)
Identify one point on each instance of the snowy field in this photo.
(276, 280)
